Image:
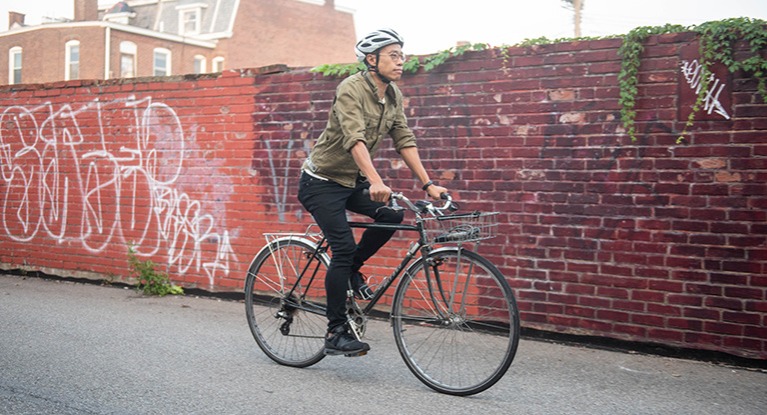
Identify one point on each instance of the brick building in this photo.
(138, 38)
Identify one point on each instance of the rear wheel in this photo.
(455, 321)
(285, 315)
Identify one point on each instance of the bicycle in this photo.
(454, 315)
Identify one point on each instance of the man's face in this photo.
(390, 60)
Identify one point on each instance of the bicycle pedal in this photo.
(338, 353)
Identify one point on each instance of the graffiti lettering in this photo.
(112, 181)
(280, 196)
(693, 73)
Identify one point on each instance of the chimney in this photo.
(86, 10)
(14, 18)
(330, 3)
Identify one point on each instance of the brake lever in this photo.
(453, 205)
(424, 206)
(392, 205)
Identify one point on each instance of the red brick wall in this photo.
(648, 241)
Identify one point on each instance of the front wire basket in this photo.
(464, 227)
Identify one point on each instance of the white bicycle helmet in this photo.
(375, 41)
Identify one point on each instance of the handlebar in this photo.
(421, 206)
(425, 206)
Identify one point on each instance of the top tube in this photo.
(389, 226)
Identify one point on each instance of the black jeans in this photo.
(328, 201)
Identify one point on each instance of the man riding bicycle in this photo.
(367, 106)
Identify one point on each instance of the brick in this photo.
(666, 335)
(713, 340)
(647, 320)
(741, 318)
(758, 332)
(701, 314)
(685, 324)
(723, 328)
(728, 303)
(611, 315)
(631, 330)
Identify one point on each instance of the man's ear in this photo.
(371, 59)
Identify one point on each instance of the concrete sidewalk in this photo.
(71, 348)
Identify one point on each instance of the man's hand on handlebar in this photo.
(447, 205)
(435, 191)
(380, 192)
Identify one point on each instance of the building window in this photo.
(218, 64)
(72, 64)
(127, 59)
(199, 64)
(189, 23)
(161, 62)
(14, 65)
(190, 18)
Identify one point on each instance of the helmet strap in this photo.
(375, 69)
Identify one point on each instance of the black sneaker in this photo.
(340, 342)
(360, 288)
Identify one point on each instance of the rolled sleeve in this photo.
(351, 119)
(401, 134)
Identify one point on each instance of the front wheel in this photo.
(284, 301)
(455, 321)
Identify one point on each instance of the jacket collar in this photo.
(390, 89)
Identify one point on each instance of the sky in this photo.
(430, 26)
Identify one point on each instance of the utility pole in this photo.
(577, 8)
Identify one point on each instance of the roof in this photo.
(121, 7)
(216, 16)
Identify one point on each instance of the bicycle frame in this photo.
(412, 252)
(422, 245)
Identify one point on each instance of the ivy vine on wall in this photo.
(718, 40)
(718, 43)
(411, 65)
(630, 52)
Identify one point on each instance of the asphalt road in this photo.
(72, 348)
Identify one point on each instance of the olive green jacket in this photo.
(358, 115)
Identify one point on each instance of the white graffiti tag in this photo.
(106, 173)
(694, 73)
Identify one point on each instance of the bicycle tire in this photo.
(289, 328)
(457, 331)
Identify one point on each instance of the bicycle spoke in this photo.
(455, 322)
(271, 285)
(287, 326)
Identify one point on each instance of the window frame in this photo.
(12, 69)
(202, 64)
(167, 70)
(68, 76)
(129, 50)
(217, 64)
(193, 9)
(182, 21)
